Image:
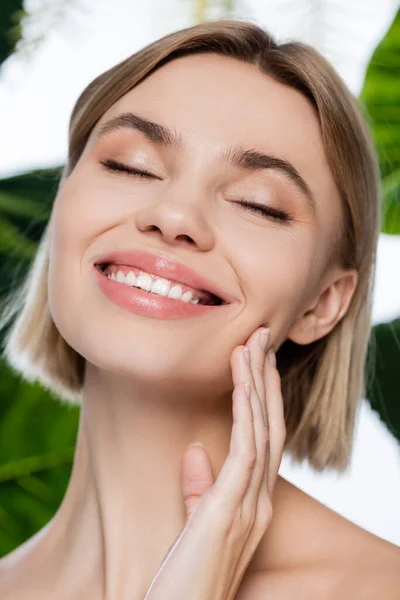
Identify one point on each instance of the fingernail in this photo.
(196, 444)
(264, 337)
(272, 357)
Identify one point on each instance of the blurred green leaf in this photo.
(14, 242)
(11, 13)
(38, 436)
(381, 98)
(22, 470)
(39, 185)
(24, 207)
(383, 374)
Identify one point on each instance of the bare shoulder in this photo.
(324, 582)
(321, 555)
(372, 575)
(371, 572)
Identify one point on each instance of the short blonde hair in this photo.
(322, 382)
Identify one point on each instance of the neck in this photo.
(124, 507)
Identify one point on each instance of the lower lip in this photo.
(152, 305)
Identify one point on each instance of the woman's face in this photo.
(268, 264)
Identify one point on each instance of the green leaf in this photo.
(381, 99)
(383, 374)
(13, 242)
(39, 185)
(24, 207)
(11, 13)
(23, 469)
(38, 436)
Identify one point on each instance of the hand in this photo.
(226, 519)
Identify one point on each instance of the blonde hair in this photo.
(322, 382)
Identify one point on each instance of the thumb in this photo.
(197, 476)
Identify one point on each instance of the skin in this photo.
(124, 504)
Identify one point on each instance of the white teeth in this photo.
(121, 277)
(130, 279)
(187, 296)
(144, 281)
(175, 292)
(158, 286)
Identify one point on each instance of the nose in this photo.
(177, 218)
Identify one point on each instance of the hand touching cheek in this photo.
(227, 518)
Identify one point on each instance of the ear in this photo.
(322, 314)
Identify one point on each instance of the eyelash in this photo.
(113, 165)
(273, 213)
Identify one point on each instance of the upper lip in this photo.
(164, 266)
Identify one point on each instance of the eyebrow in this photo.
(237, 156)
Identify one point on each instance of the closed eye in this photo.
(114, 165)
(281, 216)
(267, 211)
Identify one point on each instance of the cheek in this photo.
(78, 217)
(277, 280)
(85, 206)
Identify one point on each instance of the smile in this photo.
(141, 298)
(161, 286)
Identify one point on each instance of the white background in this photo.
(82, 38)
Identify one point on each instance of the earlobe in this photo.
(321, 316)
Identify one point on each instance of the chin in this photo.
(134, 346)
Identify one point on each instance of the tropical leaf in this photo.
(13, 205)
(381, 98)
(38, 186)
(14, 242)
(38, 436)
(11, 13)
(25, 206)
(383, 374)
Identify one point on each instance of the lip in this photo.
(155, 306)
(164, 266)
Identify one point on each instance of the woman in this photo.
(214, 167)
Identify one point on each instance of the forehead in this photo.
(215, 102)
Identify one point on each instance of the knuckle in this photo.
(247, 456)
(259, 366)
(283, 434)
(264, 522)
(247, 518)
(251, 458)
(265, 516)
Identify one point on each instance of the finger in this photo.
(253, 459)
(196, 476)
(276, 419)
(246, 373)
(235, 474)
(260, 422)
(258, 354)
